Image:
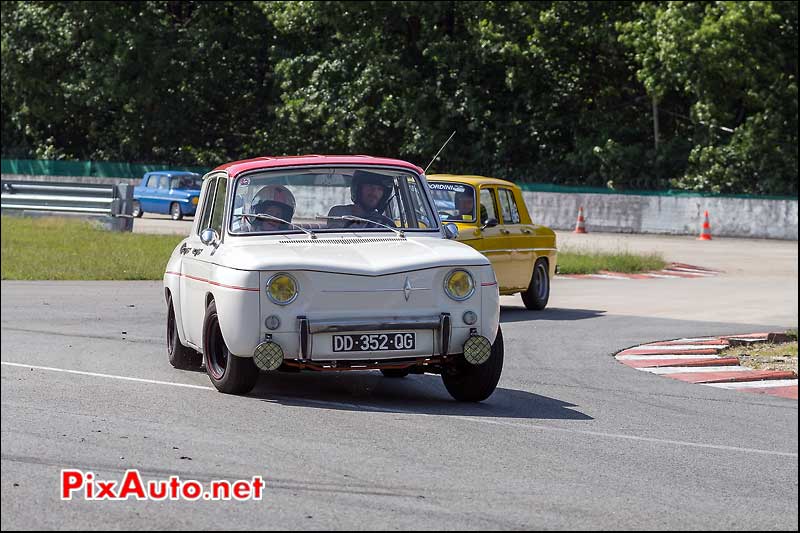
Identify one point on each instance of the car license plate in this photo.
(374, 342)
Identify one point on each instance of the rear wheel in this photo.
(175, 211)
(179, 355)
(137, 209)
(228, 373)
(538, 292)
(474, 383)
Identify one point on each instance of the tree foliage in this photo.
(556, 92)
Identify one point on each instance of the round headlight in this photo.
(195, 199)
(282, 289)
(459, 285)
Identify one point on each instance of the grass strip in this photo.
(56, 248)
(590, 262)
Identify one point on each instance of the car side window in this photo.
(208, 205)
(164, 183)
(488, 209)
(218, 211)
(152, 182)
(509, 206)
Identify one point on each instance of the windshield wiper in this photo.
(353, 218)
(264, 216)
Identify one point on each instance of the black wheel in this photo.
(175, 211)
(228, 373)
(474, 383)
(179, 355)
(137, 209)
(395, 372)
(538, 292)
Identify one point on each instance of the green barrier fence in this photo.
(100, 169)
(564, 189)
(107, 169)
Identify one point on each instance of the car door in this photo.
(492, 242)
(161, 196)
(197, 263)
(518, 237)
(146, 197)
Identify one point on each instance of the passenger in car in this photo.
(274, 200)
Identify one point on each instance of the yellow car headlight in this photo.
(282, 289)
(459, 285)
(195, 199)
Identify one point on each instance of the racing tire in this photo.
(229, 373)
(175, 211)
(395, 372)
(474, 383)
(538, 292)
(137, 209)
(180, 356)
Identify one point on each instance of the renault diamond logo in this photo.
(407, 289)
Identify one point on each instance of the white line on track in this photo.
(110, 376)
(658, 357)
(755, 384)
(366, 407)
(693, 369)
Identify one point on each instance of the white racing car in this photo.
(330, 263)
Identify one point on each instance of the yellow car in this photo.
(522, 253)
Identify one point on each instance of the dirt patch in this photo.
(766, 356)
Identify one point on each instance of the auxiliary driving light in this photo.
(268, 355)
(477, 350)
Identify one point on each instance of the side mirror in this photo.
(450, 230)
(492, 222)
(209, 236)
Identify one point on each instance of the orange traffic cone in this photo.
(580, 226)
(705, 233)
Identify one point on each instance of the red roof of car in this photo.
(237, 167)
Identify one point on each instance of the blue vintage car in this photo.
(167, 191)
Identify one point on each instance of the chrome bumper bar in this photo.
(308, 327)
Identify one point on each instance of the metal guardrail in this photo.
(109, 200)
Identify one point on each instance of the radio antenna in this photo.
(440, 151)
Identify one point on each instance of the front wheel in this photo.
(229, 374)
(175, 211)
(137, 209)
(538, 292)
(474, 383)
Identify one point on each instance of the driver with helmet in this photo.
(274, 200)
(370, 193)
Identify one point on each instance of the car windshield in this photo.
(330, 199)
(186, 182)
(455, 202)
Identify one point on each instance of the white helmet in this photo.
(274, 195)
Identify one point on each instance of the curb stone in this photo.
(697, 360)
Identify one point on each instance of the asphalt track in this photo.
(570, 439)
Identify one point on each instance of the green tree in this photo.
(737, 64)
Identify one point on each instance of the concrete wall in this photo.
(677, 215)
(621, 213)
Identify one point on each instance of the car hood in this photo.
(370, 255)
